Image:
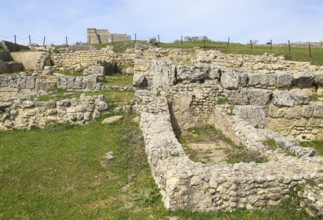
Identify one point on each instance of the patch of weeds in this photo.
(54, 126)
(158, 94)
(314, 97)
(242, 154)
(231, 108)
(317, 145)
(222, 101)
(147, 196)
(271, 143)
(118, 80)
(209, 134)
(72, 73)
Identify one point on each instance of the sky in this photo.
(241, 20)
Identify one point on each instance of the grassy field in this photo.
(118, 79)
(296, 54)
(61, 173)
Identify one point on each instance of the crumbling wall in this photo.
(26, 114)
(270, 97)
(80, 60)
(185, 184)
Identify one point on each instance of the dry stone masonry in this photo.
(185, 184)
(251, 99)
(26, 114)
(270, 97)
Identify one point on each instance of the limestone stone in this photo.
(230, 80)
(192, 73)
(112, 119)
(303, 80)
(164, 76)
(257, 80)
(259, 96)
(284, 80)
(318, 79)
(290, 98)
(318, 110)
(140, 81)
(255, 115)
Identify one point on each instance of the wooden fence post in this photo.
(271, 44)
(181, 39)
(29, 39)
(44, 41)
(228, 42)
(251, 44)
(310, 50)
(289, 46)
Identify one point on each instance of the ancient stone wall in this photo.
(270, 97)
(185, 184)
(26, 114)
(79, 60)
(101, 36)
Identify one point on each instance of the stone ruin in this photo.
(101, 36)
(248, 98)
(266, 98)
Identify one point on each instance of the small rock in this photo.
(109, 155)
(112, 119)
(136, 119)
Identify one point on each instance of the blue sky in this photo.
(241, 20)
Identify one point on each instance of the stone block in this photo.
(284, 80)
(276, 112)
(192, 73)
(303, 80)
(254, 115)
(318, 111)
(308, 111)
(164, 76)
(258, 80)
(271, 80)
(3, 81)
(259, 96)
(139, 80)
(318, 79)
(294, 112)
(290, 98)
(237, 97)
(230, 80)
(244, 77)
(30, 82)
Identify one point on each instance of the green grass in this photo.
(297, 54)
(73, 73)
(118, 80)
(208, 134)
(314, 97)
(317, 145)
(271, 143)
(222, 101)
(118, 47)
(62, 174)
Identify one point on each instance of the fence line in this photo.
(204, 41)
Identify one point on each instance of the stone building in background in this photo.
(101, 36)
